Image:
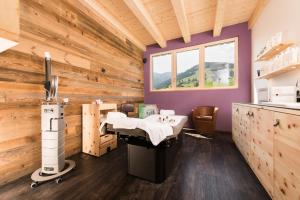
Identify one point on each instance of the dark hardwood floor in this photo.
(204, 169)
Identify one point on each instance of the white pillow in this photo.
(167, 112)
(115, 115)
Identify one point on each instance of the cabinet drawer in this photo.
(106, 138)
(108, 146)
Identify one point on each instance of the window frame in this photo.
(201, 49)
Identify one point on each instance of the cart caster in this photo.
(58, 180)
(34, 184)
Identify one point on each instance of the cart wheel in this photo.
(34, 184)
(58, 180)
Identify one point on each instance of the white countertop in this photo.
(282, 105)
(293, 108)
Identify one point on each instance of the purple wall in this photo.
(184, 101)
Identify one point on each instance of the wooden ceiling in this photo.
(147, 22)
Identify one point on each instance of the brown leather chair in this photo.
(204, 119)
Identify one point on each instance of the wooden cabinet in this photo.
(245, 131)
(286, 156)
(261, 160)
(95, 141)
(269, 139)
(235, 123)
(242, 129)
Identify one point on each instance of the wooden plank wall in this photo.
(81, 50)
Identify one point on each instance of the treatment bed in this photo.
(150, 155)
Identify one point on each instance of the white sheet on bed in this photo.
(156, 130)
(120, 120)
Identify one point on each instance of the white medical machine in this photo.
(54, 165)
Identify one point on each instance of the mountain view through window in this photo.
(161, 71)
(187, 68)
(219, 65)
(206, 66)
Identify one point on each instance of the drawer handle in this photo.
(251, 114)
(276, 123)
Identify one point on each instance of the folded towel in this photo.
(167, 112)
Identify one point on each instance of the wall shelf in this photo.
(279, 71)
(274, 51)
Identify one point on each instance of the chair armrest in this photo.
(215, 112)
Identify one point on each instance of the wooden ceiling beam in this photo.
(182, 20)
(101, 12)
(220, 10)
(261, 4)
(139, 10)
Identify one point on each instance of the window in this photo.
(161, 71)
(206, 66)
(219, 65)
(187, 69)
